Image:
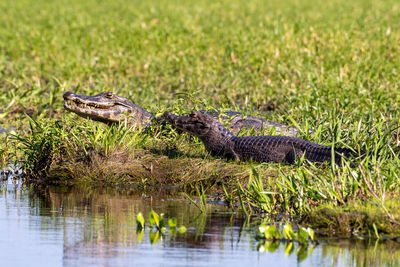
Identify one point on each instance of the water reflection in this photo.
(74, 227)
(363, 252)
(10, 173)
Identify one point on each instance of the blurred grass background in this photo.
(284, 58)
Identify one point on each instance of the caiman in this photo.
(219, 141)
(111, 108)
(108, 108)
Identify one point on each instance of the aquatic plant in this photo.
(140, 221)
(270, 232)
(270, 239)
(158, 221)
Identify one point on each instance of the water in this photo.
(86, 227)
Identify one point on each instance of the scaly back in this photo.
(220, 141)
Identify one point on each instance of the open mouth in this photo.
(75, 103)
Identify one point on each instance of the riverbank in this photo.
(353, 200)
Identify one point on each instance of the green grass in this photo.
(332, 66)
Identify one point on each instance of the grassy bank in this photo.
(333, 67)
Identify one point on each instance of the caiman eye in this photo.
(201, 126)
(109, 94)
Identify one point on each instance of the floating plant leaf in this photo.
(182, 229)
(140, 220)
(302, 235)
(288, 232)
(172, 223)
(154, 219)
(272, 232)
(311, 233)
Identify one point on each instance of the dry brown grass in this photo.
(144, 168)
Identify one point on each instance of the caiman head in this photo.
(207, 128)
(107, 107)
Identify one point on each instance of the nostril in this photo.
(167, 114)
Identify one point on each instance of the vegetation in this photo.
(330, 66)
(272, 238)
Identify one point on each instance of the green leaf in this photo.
(302, 235)
(272, 233)
(311, 233)
(288, 232)
(182, 229)
(172, 223)
(140, 220)
(154, 219)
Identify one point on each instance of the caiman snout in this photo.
(168, 116)
(67, 95)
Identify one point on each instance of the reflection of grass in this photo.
(358, 218)
(363, 253)
(109, 216)
(202, 203)
(334, 69)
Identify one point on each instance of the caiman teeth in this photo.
(79, 104)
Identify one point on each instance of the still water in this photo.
(82, 227)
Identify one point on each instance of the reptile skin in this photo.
(219, 141)
(111, 108)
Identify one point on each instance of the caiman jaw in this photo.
(105, 107)
(76, 104)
